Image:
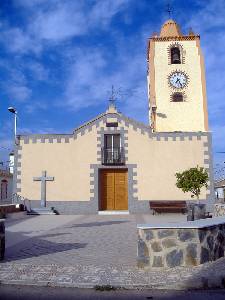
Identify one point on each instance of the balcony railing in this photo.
(115, 156)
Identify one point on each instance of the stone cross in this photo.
(43, 180)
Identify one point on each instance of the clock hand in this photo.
(180, 84)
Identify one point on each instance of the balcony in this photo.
(115, 156)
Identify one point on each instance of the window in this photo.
(175, 55)
(112, 152)
(112, 141)
(177, 97)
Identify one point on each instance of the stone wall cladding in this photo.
(208, 165)
(219, 209)
(2, 239)
(168, 248)
(17, 169)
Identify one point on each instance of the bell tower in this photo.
(176, 81)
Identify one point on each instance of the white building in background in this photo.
(11, 162)
(220, 190)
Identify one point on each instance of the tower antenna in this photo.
(113, 96)
(169, 10)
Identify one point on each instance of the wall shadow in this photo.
(37, 246)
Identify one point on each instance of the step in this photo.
(113, 212)
(41, 211)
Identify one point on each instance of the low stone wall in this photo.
(173, 246)
(10, 208)
(219, 209)
(2, 239)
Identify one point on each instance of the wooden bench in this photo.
(168, 206)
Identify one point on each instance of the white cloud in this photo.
(94, 71)
(38, 71)
(62, 23)
(18, 41)
(53, 22)
(104, 11)
(18, 93)
(29, 3)
(34, 106)
(209, 21)
(15, 85)
(19, 76)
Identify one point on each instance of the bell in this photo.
(176, 58)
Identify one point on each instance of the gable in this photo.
(110, 117)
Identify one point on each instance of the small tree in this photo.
(192, 180)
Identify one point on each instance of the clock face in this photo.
(178, 80)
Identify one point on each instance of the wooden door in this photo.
(113, 190)
(120, 196)
(107, 189)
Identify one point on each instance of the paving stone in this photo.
(174, 258)
(157, 261)
(165, 232)
(168, 243)
(204, 255)
(149, 235)
(210, 242)
(202, 234)
(185, 234)
(156, 247)
(191, 255)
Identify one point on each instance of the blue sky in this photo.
(59, 58)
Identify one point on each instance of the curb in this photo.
(202, 283)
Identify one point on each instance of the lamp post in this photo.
(13, 111)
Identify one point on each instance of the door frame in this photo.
(125, 169)
(134, 204)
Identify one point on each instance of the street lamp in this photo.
(13, 111)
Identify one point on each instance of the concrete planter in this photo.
(196, 211)
(2, 239)
(182, 244)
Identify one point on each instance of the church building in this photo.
(115, 163)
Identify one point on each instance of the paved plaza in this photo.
(109, 240)
(92, 250)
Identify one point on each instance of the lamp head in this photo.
(12, 110)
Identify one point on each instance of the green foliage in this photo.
(192, 180)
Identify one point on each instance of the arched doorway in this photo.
(4, 189)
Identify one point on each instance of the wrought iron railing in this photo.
(18, 199)
(115, 156)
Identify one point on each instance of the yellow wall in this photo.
(69, 163)
(183, 116)
(158, 161)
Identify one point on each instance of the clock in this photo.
(178, 80)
